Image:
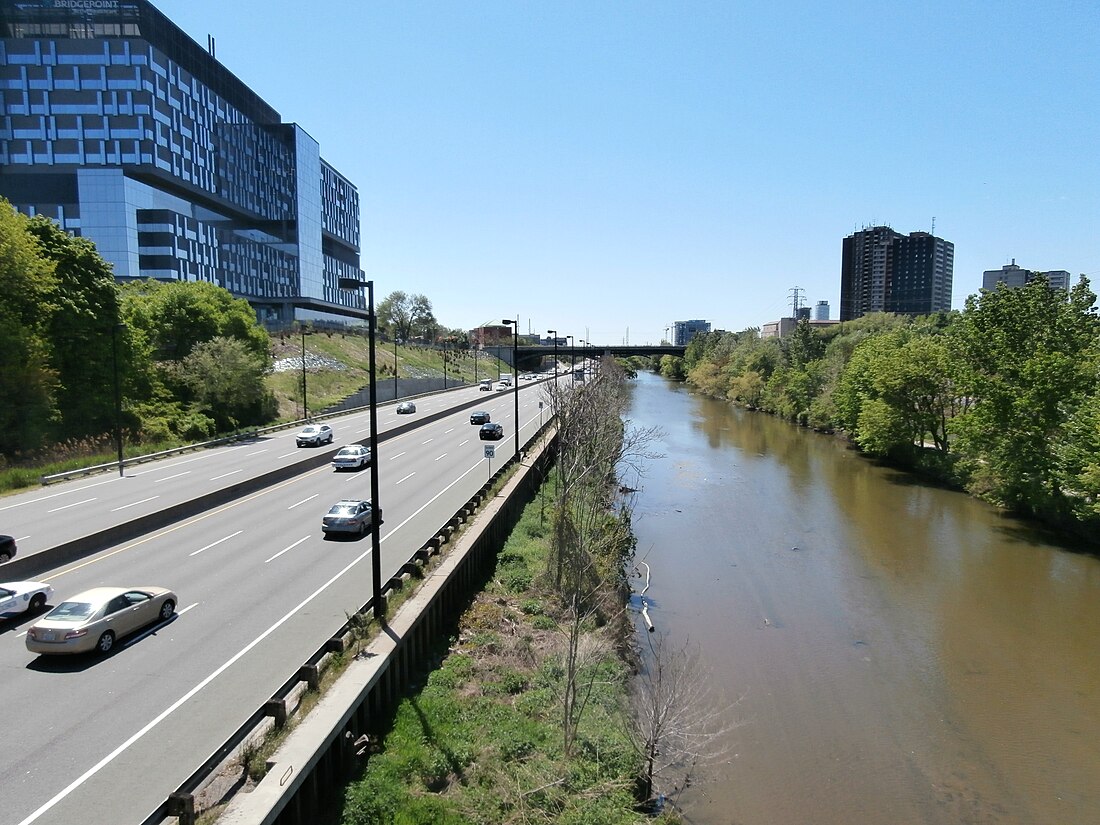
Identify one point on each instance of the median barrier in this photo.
(35, 564)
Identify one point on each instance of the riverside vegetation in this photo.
(534, 713)
(1001, 399)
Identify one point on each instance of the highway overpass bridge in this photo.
(531, 355)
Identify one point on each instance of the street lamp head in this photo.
(509, 322)
(353, 283)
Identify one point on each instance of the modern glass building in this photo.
(684, 331)
(124, 130)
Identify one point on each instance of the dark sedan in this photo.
(7, 548)
(480, 417)
(491, 432)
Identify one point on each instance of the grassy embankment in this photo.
(482, 741)
(325, 387)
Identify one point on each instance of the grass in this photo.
(481, 743)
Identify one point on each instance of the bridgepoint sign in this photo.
(86, 5)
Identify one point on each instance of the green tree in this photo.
(27, 379)
(423, 318)
(83, 331)
(1028, 357)
(395, 314)
(227, 383)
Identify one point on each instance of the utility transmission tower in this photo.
(798, 298)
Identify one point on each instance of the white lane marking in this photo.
(173, 465)
(133, 504)
(55, 495)
(169, 478)
(223, 475)
(181, 612)
(364, 430)
(439, 457)
(249, 455)
(461, 443)
(67, 506)
(21, 538)
(288, 455)
(303, 501)
(392, 458)
(429, 441)
(299, 541)
(450, 430)
(406, 478)
(216, 543)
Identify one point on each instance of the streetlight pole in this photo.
(572, 362)
(515, 367)
(444, 365)
(376, 513)
(395, 365)
(305, 398)
(554, 334)
(118, 395)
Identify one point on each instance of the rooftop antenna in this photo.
(933, 225)
(210, 44)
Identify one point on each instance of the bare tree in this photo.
(591, 541)
(677, 721)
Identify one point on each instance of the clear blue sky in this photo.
(607, 167)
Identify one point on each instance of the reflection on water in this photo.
(905, 653)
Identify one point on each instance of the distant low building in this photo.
(1014, 276)
(785, 326)
(684, 331)
(821, 311)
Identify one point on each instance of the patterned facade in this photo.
(117, 125)
(886, 271)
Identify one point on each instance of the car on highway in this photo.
(500, 387)
(485, 386)
(23, 597)
(491, 432)
(349, 515)
(7, 548)
(480, 417)
(406, 407)
(352, 457)
(96, 619)
(314, 435)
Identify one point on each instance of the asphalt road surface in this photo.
(106, 739)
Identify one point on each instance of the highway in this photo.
(106, 739)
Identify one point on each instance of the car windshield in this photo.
(347, 452)
(4, 592)
(310, 429)
(344, 509)
(72, 611)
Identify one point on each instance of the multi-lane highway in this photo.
(105, 739)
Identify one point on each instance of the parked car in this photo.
(406, 407)
(96, 619)
(23, 597)
(349, 516)
(7, 548)
(314, 435)
(480, 417)
(352, 457)
(491, 432)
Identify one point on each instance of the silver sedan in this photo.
(348, 516)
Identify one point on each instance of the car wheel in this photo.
(167, 610)
(362, 529)
(38, 601)
(106, 642)
(4, 557)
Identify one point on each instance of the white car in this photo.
(315, 435)
(23, 597)
(500, 387)
(352, 457)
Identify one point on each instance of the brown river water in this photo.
(900, 653)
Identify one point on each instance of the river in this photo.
(894, 652)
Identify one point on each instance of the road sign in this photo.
(490, 450)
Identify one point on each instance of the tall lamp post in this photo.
(584, 358)
(395, 365)
(118, 394)
(572, 362)
(375, 541)
(305, 397)
(553, 333)
(515, 366)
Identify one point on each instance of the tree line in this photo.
(1001, 398)
(188, 359)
